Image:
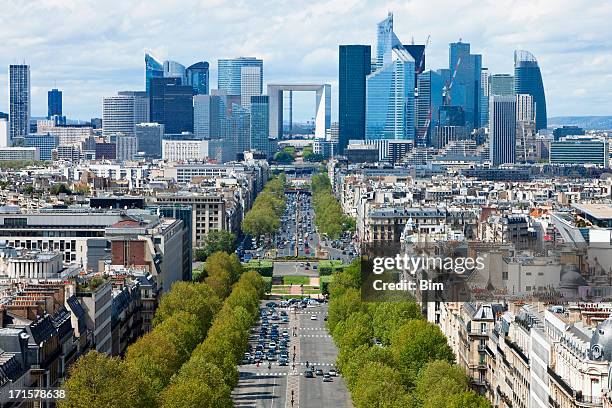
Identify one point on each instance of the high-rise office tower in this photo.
(149, 137)
(173, 69)
(171, 104)
(153, 69)
(208, 114)
(230, 72)
(260, 131)
(524, 108)
(19, 101)
(428, 103)
(501, 85)
(528, 80)
(465, 91)
(354, 67)
(54, 103)
(250, 84)
(198, 77)
(386, 40)
(127, 147)
(118, 115)
(502, 129)
(390, 99)
(525, 129)
(141, 105)
(237, 129)
(484, 97)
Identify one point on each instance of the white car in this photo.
(313, 317)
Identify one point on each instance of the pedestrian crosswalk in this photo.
(285, 374)
(315, 335)
(313, 328)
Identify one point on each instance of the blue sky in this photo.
(91, 49)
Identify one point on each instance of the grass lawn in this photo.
(296, 280)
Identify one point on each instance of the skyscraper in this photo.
(250, 84)
(502, 129)
(428, 103)
(173, 69)
(260, 111)
(141, 105)
(484, 97)
(153, 69)
(386, 40)
(229, 75)
(354, 67)
(198, 77)
(528, 80)
(208, 114)
(501, 85)
(54, 103)
(465, 91)
(149, 137)
(390, 99)
(237, 128)
(19, 101)
(118, 115)
(171, 104)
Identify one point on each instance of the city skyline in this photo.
(86, 68)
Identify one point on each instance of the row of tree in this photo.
(414, 367)
(215, 241)
(264, 217)
(329, 217)
(182, 321)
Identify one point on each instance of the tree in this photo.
(191, 392)
(354, 331)
(416, 343)
(196, 298)
(96, 380)
(60, 188)
(343, 306)
(351, 361)
(387, 317)
(380, 386)
(217, 241)
(222, 271)
(283, 157)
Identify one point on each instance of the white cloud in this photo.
(91, 49)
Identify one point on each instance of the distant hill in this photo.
(585, 122)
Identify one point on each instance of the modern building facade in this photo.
(118, 115)
(237, 130)
(19, 101)
(208, 115)
(502, 129)
(260, 124)
(484, 96)
(141, 105)
(230, 73)
(171, 104)
(173, 69)
(54, 103)
(354, 66)
(198, 77)
(251, 82)
(127, 147)
(43, 142)
(580, 151)
(501, 85)
(465, 69)
(428, 103)
(153, 69)
(528, 80)
(149, 137)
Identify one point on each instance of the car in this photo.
(271, 304)
(308, 374)
(271, 356)
(319, 371)
(283, 362)
(313, 317)
(333, 372)
(285, 319)
(327, 378)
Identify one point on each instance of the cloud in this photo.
(90, 51)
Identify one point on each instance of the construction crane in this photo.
(446, 96)
(422, 62)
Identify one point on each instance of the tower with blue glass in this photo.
(528, 80)
(153, 69)
(198, 77)
(230, 71)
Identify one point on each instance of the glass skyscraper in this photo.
(528, 80)
(171, 104)
(386, 40)
(229, 75)
(54, 103)
(390, 110)
(465, 91)
(198, 77)
(19, 101)
(260, 122)
(153, 69)
(354, 67)
(501, 85)
(173, 69)
(502, 129)
(428, 103)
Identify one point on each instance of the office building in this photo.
(19, 153)
(127, 146)
(191, 150)
(118, 115)
(386, 40)
(237, 130)
(19, 101)
(428, 103)
(72, 135)
(466, 69)
(579, 151)
(354, 67)
(526, 144)
(171, 104)
(43, 142)
(502, 129)
(208, 116)
(484, 97)
(173, 69)
(198, 78)
(230, 73)
(528, 80)
(141, 105)
(260, 130)
(153, 69)
(54, 103)
(501, 85)
(149, 137)
(251, 83)
(106, 151)
(567, 131)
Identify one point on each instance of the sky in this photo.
(91, 49)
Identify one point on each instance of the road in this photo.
(263, 387)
